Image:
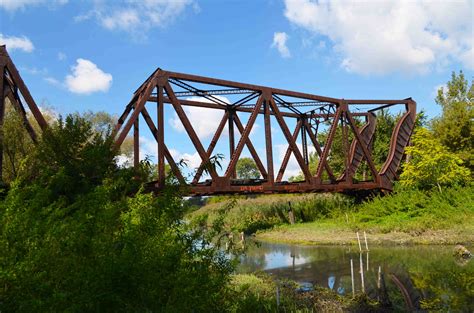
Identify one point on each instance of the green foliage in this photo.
(336, 159)
(17, 144)
(431, 164)
(261, 212)
(74, 240)
(71, 159)
(411, 210)
(247, 169)
(455, 127)
(103, 123)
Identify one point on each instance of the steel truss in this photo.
(310, 111)
(13, 88)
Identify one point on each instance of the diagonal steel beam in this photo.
(189, 128)
(291, 142)
(287, 156)
(328, 144)
(245, 134)
(319, 151)
(168, 156)
(211, 147)
(363, 144)
(16, 102)
(251, 148)
(138, 106)
(26, 94)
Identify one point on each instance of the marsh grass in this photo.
(406, 215)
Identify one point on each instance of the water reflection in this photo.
(403, 277)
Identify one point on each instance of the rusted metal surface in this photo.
(278, 107)
(13, 87)
(281, 110)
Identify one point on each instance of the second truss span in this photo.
(280, 109)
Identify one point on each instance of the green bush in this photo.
(72, 239)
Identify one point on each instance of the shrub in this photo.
(72, 239)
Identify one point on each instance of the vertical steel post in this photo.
(136, 144)
(232, 139)
(2, 114)
(304, 141)
(268, 143)
(161, 137)
(345, 144)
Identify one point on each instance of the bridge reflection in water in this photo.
(404, 278)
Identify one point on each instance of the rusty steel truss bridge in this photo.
(279, 109)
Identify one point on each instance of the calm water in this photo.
(403, 277)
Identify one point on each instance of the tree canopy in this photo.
(247, 169)
(431, 164)
(455, 126)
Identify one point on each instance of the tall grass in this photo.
(412, 210)
(261, 212)
(404, 210)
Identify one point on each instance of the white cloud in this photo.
(52, 81)
(34, 70)
(378, 37)
(204, 121)
(279, 41)
(192, 160)
(13, 5)
(87, 78)
(61, 56)
(137, 17)
(123, 19)
(148, 148)
(293, 168)
(18, 43)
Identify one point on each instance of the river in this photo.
(405, 278)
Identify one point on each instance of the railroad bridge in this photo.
(296, 116)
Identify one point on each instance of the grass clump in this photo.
(255, 213)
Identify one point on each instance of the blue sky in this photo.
(92, 55)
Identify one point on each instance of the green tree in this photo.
(455, 126)
(383, 133)
(73, 239)
(247, 169)
(17, 144)
(103, 123)
(431, 164)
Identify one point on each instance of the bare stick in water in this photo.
(358, 240)
(366, 245)
(352, 277)
(362, 272)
